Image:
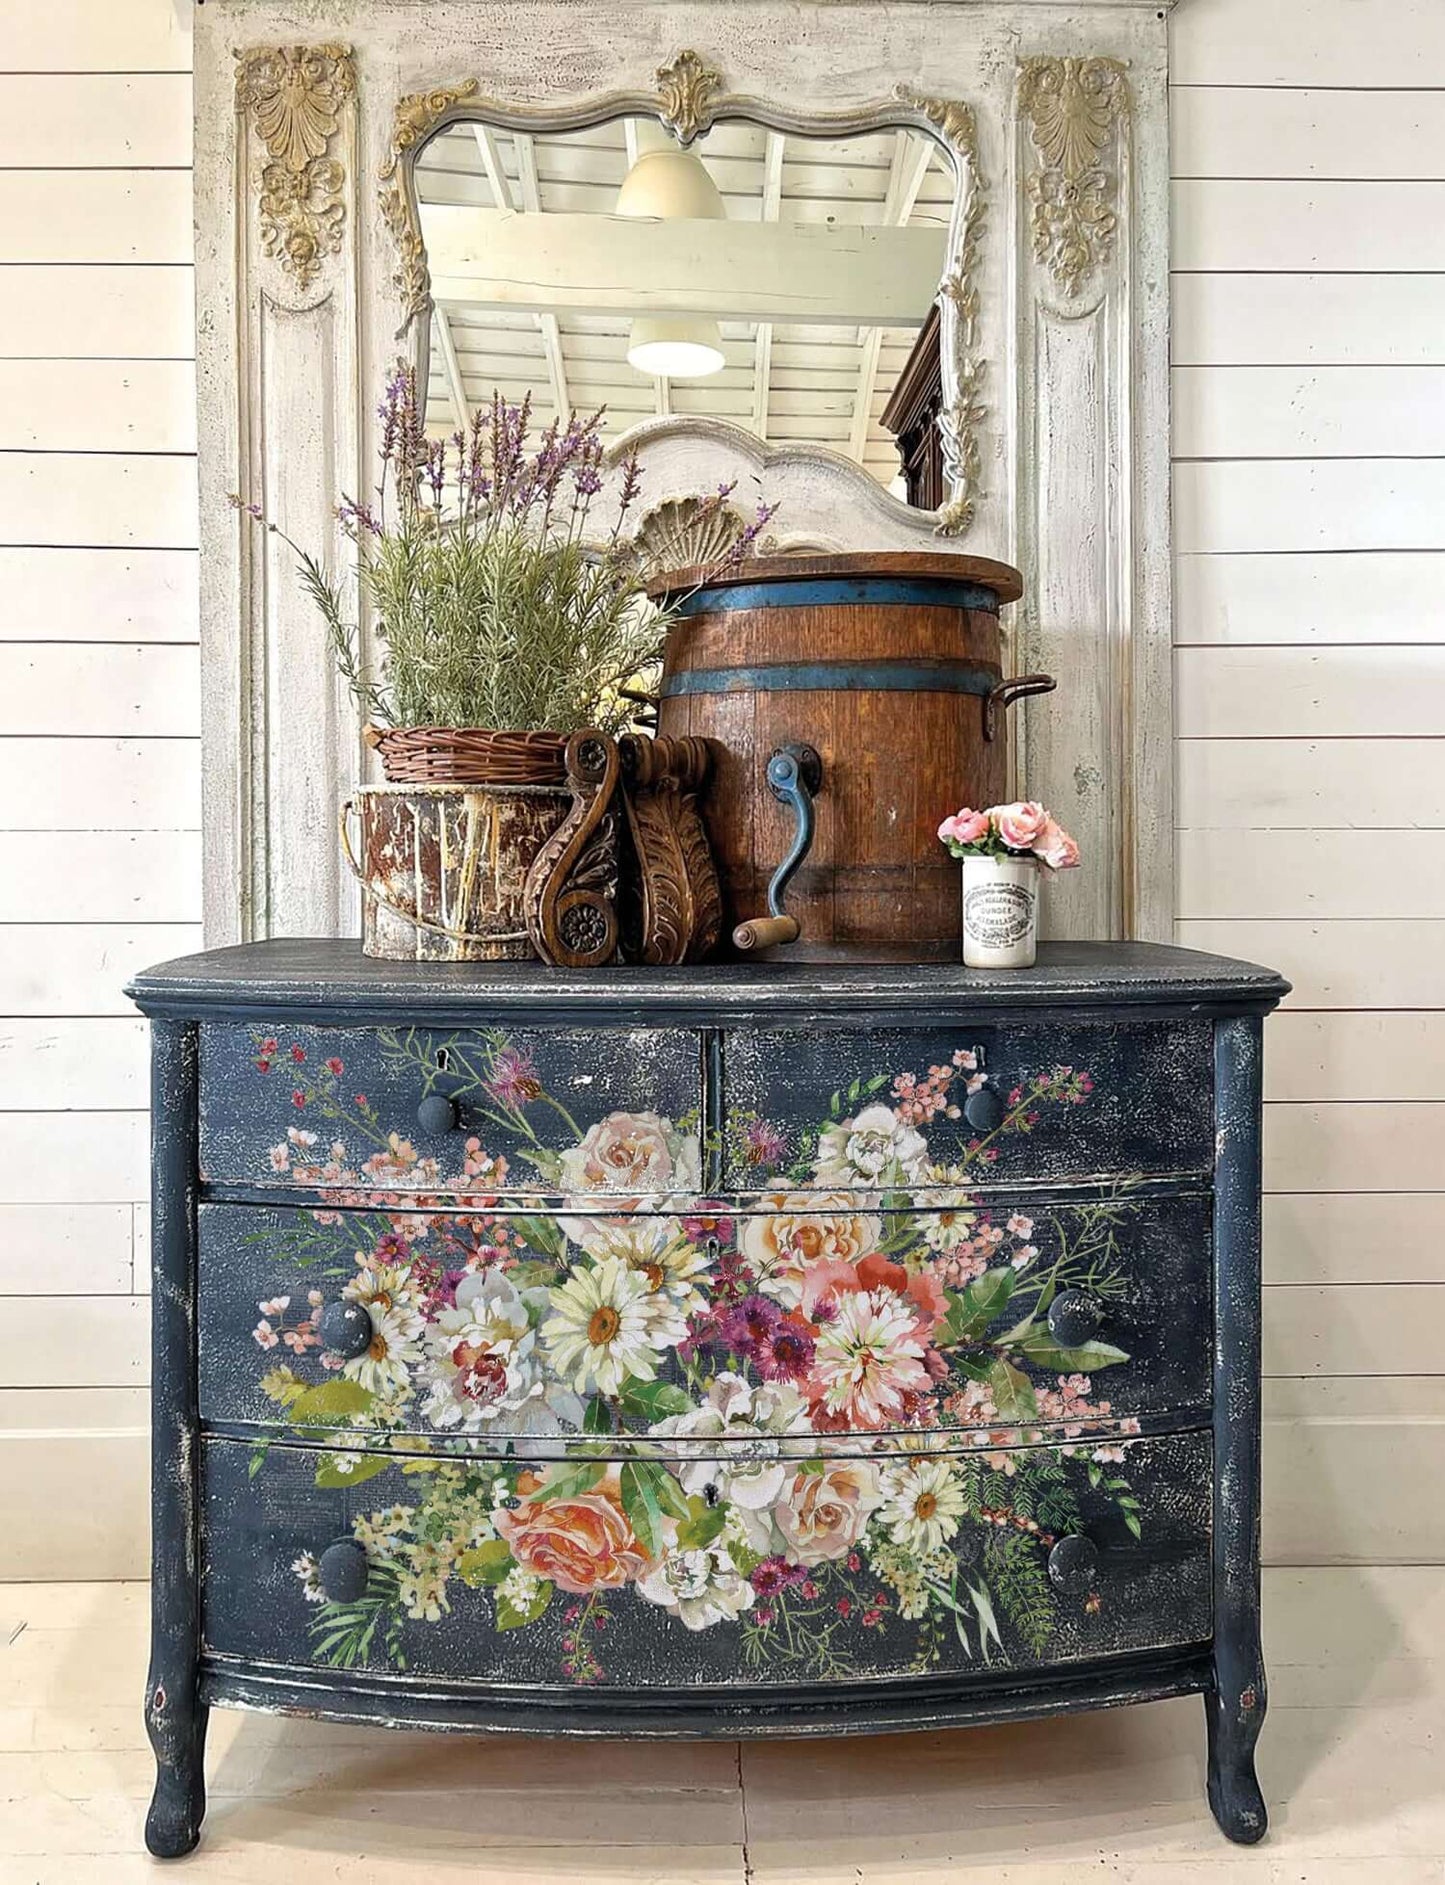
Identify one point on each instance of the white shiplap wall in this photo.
(1309, 388)
(1309, 488)
(99, 754)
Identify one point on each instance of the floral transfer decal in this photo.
(797, 1420)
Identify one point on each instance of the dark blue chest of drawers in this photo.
(755, 1351)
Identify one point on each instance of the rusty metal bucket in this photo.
(443, 868)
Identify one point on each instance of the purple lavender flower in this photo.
(356, 517)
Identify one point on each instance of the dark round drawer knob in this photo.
(984, 1110)
(1072, 1564)
(1074, 1317)
(344, 1328)
(437, 1113)
(341, 1571)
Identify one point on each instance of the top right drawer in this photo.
(994, 1102)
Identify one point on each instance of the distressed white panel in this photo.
(1295, 320)
(1354, 1147)
(93, 1485)
(1365, 964)
(1398, 1055)
(74, 1065)
(100, 876)
(65, 594)
(86, 1247)
(108, 688)
(99, 36)
(40, 1154)
(97, 405)
(107, 1339)
(1304, 693)
(1311, 504)
(95, 215)
(1370, 596)
(1311, 873)
(1357, 228)
(1308, 42)
(1308, 412)
(1341, 1329)
(1292, 785)
(69, 498)
(1339, 1237)
(70, 311)
(69, 784)
(81, 968)
(106, 120)
(1254, 131)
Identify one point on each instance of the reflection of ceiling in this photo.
(792, 383)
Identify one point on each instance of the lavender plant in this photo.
(492, 606)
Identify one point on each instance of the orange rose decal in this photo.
(583, 1543)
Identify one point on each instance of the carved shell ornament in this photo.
(687, 533)
(294, 96)
(1073, 108)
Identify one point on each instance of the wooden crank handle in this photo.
(762, 932)
(1004, 695)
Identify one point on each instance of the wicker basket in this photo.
(468, 756)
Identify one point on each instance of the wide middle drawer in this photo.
(796, 1320)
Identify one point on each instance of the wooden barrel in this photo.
(885, 664)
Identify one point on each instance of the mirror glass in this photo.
(778, 282)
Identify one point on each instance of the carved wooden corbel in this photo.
(673, 909)
(571, 893)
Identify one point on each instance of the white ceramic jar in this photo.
(1000, 912)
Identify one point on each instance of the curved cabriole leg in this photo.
(175, 1715)
(1234, 1708)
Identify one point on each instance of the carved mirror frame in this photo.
(1055, 333)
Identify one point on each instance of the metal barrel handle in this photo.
(794, 775)
(1006, 693)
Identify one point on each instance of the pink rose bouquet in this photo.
(1023, 829)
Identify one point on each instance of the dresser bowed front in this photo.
(744, 1351)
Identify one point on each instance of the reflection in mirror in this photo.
(779, 282)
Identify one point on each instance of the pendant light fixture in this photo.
(669, 184)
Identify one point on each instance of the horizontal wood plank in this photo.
(1372, 963)
(1310, 504)
(1308, 693)
(107, 1341)
(119, 311)
(1307, 42)
(97, 406)
(96, 216)
(100, 876)
(98, 36)
(1310, 873)
(1341, 1237)
(99, 120)
(1354, 1147)
(1273, 226)
(1309, 596)
(87, 1246)
(1307, 412)
(94, 1488)
(1307, 320)
(75, 1064)
(1297, 131)
(69, 784)
(59, 593)
(1397, 1055)
(1303, 785)
(103, 689)
(1339, 1329)
(82, 968)
(42, 1157)
(67, 498)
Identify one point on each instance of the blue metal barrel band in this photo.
(831, 677)
(918, 592)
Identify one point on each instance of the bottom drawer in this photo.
(739, 1571)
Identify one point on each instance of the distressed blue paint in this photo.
(848, 677)
(917, 593)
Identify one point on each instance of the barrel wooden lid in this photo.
(932, 565)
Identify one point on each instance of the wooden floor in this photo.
(1352, 1761)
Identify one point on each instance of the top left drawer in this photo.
(373, 1113)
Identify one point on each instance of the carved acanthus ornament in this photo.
(1074, 108)
(687, 90)
(959, 423)
(294, 96)
(417, 116)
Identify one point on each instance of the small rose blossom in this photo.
(1054, 845)
(964, 827)
(1020, 824)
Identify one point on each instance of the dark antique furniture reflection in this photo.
(911, 415)
(756, 1350)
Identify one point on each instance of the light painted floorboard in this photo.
(1351, 1762)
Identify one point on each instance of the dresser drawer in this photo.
(887, 1109)
(477, 1326)
(719, 1573)
(403, 1111)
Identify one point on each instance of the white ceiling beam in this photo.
(456, 385)
(763, 343)
(912, 156)
(491, 156)
(531, 193)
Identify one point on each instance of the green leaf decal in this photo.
(1012, 1394)
(648, 1493)
(511, 1616)
(363, 1466)
(653, 1400)
(567, 1481)
(702, 1525)
(971, 1310)
(1088, 1358)
(329, 1402)
(488, 1563)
